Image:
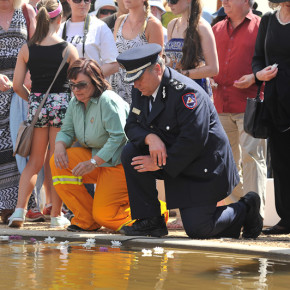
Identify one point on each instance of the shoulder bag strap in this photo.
(47, 92)
(86, 30)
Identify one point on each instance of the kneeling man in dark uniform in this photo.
(175, 135)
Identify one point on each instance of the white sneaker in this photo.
(59, 221)
(16, 220)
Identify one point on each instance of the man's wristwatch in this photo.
(94, 162)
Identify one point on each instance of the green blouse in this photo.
(99, 127)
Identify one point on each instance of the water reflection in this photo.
(51, 266)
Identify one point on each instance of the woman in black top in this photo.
(271, 64)
(42, 56)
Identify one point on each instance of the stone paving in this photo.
(278, 246)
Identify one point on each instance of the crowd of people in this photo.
(150, 91)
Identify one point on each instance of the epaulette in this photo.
(177, 85)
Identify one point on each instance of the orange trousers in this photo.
(110, 206)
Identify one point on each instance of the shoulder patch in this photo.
(177, 85)
(189, 100)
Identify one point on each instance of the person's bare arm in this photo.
(208, 45)
(20, 73)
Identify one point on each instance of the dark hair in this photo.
(91, 69)
(192, 51)
(43, 19)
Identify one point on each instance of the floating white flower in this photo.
(91, 242)
(4, 238)
(116, 243)
(87, 245)
(49, 240)
(146, 253)
(158, 250)
(65, 243)
(169, 254)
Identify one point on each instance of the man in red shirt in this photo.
(235, 38)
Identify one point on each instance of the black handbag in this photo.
(254, 124)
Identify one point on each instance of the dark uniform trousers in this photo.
(200, 221)
(200, 169)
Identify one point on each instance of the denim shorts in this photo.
(53, 110)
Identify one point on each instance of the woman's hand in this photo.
(83, 168)
(267, 73)
(5, 83)
(144, 164)
(60, 156)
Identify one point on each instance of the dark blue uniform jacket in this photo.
(200, 168)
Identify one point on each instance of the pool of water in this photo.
(73, 265)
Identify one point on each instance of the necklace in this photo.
(133, 27)
(279, 20)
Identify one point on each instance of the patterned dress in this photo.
(122, 88)
(173, 52)
(10, 44)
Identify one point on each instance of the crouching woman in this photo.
(96, 117)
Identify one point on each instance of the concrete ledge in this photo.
(250, 247)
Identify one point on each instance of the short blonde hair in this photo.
(18, 3)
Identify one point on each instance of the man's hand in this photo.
(157, 149)
(60, 156)
(144, 164)
(245, 81)
(83, 168)
(5, 83)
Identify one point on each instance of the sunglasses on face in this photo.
(78, 86)
(107, 11)
(79, 1)
(172, 2)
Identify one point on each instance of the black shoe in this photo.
(254, 222)
(276, 230)
(154, 227)
(74, 228)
